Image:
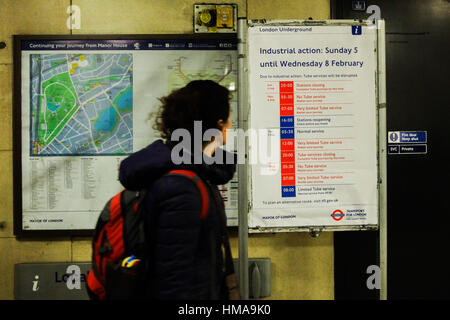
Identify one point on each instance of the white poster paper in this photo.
(313, 102)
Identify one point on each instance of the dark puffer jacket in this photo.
(181, 248)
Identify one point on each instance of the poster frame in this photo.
(17, 115)
(380, 92)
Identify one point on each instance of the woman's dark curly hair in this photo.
(199, 100)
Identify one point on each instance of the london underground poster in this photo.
(313, 98)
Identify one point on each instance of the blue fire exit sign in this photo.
(407, 137)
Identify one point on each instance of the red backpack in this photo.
(119, 247)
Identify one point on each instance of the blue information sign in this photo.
(408, 149)
(407, 137)
(356, 30)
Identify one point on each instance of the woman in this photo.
(185, 250)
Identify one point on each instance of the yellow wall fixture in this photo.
(215, 18)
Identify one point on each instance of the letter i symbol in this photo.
(356, 30)
(35, 283)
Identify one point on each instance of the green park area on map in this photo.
(81, 104)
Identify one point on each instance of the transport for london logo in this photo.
(337, 215)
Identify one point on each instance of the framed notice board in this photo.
(82, 104)
(314, 97)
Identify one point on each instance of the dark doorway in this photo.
(418, 99)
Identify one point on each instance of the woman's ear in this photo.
(220, 124)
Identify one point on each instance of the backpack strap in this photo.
(201, 187)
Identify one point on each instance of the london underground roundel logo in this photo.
(337, 215)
